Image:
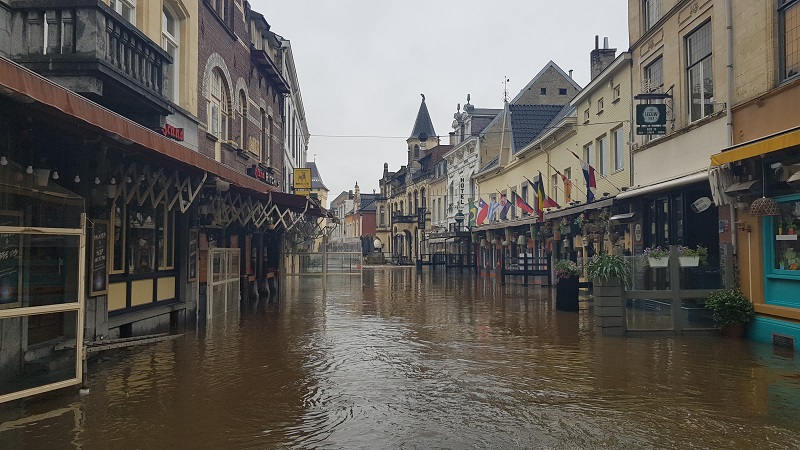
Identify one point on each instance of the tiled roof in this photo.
(480, 123)
(527, 121)
(368, 202)
(439, 151)
(316, 179)
(423, 123)
(490, 165)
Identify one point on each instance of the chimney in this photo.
(452, 138)
(601, 58)
(570, 73)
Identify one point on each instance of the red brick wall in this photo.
(231, 41)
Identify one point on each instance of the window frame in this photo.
(619, 148)
(648, 19)
(783, 7)
(119, 7)
(172, 39)
(699, 63)
(219, 98)
(603, 155)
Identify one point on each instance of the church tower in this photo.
(423, 137)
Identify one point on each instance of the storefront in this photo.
(42, 235)
(762, 179)
(108, 226)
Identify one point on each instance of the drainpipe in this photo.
(729, 104)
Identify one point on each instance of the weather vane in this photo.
(505, 88)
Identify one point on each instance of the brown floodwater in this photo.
(406, 359)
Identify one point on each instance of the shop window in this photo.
(785, 244)
(143, 239)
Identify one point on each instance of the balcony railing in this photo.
(73, 38)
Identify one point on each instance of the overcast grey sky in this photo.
(363, 63)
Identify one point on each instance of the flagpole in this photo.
(596, 172)
(563, 176)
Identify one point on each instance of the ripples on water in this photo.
(403, 359)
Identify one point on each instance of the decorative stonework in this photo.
(240, 86)
(215, 60)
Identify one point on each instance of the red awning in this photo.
(24, 85)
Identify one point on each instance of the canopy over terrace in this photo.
(29, 87)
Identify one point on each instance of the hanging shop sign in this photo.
(172, 132)
(421, 218)
(651, 119)
(99, 258)
(302, 179)
(193, 255)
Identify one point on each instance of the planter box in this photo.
(567, 294)
(658, 263)
(689, 261)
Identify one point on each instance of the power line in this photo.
(372, 136)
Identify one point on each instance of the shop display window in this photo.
(144, 238)
(785, 229)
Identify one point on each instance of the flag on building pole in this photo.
(588, 174)
(483, 211)
(547, 201)
(521, 203)
(493, 208)
(473, 215)
(505, 206)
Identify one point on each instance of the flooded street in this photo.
(419, 360)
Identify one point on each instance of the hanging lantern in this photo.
(521, 239)
(764, 207)
(484, 242)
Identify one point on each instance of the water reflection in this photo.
(432, 359)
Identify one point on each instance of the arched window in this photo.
(219, 106)
(170, 39)
(242, 119)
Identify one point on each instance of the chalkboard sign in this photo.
(192, 263)
(10, 253)
(98, 260)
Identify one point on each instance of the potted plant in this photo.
(656, 257)
(609, 269)
(788, 225)
(566, 272)
(731, 311)
(692, 257)
(564, 226)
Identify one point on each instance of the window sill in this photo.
(211, 137)
(616, 100)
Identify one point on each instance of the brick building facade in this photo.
(241, 89)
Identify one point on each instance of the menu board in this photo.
(192, 263)
(10, 275)
(98, 260)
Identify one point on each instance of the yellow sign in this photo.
(302, 179)
(303, 192)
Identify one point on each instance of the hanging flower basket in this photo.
(689, 261)
(658, 263)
